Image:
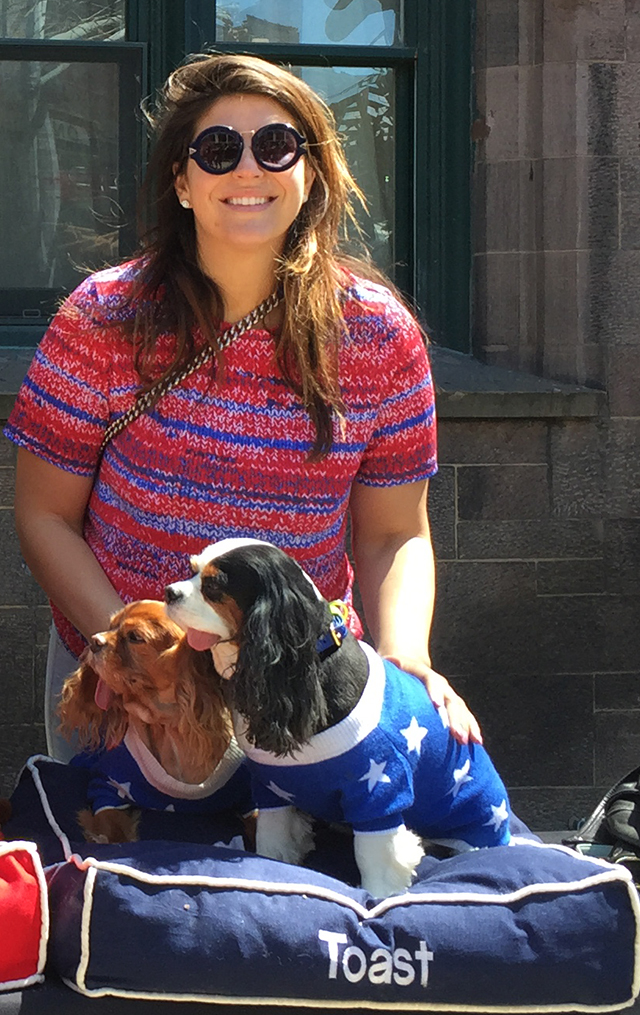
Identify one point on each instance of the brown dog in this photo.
(142, 676)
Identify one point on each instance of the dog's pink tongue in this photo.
(201, 640)
(104, 695)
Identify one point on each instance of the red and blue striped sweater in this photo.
(213, 460)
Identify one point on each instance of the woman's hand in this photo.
(451, 707)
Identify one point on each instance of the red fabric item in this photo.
(23, 915)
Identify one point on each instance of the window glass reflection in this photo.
(316, 22)
(58, 171)
(62, 19)
(363, 102)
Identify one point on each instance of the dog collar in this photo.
(331, 640)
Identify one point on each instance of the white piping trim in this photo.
(44, 800)
(336, 740)
(160, 779)
(10, 847)
(424, 1006)
(18, 984)
(85, 927)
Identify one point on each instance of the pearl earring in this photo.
(185, 203)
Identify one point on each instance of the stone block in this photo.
(572, 636)
(531, 19)
(559, 31)
(442, 513)
(630, 203)
(623, 469)
(599, 29)
(7, 451)
(17, 744)
(502, 33)
(617, 692)
(570, 577)
(537, 728)
(7, 485)
(18, 585)
(622, 556)
(501, 112)
(496, 300)
(562, 84)
(614, 296)
(485, 618)
(613, 99)
(632, 31)
(504, 201)
(554, 808)
(621, 634)
(500, 492)
(527, 540)
(16, 664)
(531, 111)
(617, 745)
(578, 469)
(623, 365)
(492, 442)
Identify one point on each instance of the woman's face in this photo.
(249, 207)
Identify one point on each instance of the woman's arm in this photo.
(50, 505)
(396, 577)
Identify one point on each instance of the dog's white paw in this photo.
(284, 834)
(387, 860)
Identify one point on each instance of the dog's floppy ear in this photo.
(78, 710)
(276, 685)
(204, 723)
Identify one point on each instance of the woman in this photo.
(323, 411)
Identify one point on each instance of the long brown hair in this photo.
(310, 271)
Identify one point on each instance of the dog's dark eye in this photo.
(135, 637)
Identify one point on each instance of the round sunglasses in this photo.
(275, 147)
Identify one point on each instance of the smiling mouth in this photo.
(248, 202)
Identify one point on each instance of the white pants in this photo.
(60, 663)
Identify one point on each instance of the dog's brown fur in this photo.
(156, 681)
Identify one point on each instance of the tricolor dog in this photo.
(328, 726)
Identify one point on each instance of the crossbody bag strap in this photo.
(146, 399)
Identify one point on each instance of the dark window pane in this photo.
(316, 22)
(363, 103)
(62, 19)
(59, 199)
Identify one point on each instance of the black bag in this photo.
(612, 830)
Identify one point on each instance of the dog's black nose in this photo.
(172, 594)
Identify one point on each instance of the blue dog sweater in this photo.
(130, 776)
(390, 762)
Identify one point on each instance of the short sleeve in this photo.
(62, 407)
(402, 447)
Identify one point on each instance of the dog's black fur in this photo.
(281, 686)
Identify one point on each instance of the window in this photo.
(397, 74)
(71, 152)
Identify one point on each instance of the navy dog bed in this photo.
(528, 927)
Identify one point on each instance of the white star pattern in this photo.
(170, 807)
(500, 815)
(375, 774)
(460, 776)
(282, 793)
(123, 789)
(414, 734)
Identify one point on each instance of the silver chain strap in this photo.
(150, 397)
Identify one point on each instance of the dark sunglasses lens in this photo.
(220, 151)
(275, 148)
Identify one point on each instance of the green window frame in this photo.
(433, 109)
